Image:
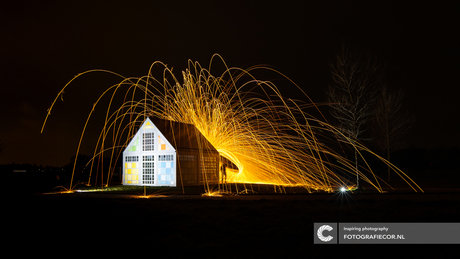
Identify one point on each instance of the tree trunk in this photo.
(388, 166)
(388, 145)
(356, 165)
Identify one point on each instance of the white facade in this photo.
(149, 159)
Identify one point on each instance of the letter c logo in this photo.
(320, 233)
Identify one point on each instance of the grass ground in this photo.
(244, 226)
(267, 222)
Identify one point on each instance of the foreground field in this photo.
(262, 226)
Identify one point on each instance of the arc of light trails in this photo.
(271, 140)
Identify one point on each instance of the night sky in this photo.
(44, 45)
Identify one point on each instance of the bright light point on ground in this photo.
(212, 194)
(343, 189)
(147, 196)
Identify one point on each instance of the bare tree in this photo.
(352, 93)
(390, 122)
(2, 145)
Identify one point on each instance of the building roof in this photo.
(183, 136)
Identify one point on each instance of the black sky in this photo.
(44, 45)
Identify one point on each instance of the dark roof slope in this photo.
(183, 136)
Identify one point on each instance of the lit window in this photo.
(148, 170)
(148, 125)
(162, 144)
(148, 142)
(131, 158)
(165, 158)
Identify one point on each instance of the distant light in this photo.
(343, 189)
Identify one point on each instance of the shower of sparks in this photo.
(269, 139)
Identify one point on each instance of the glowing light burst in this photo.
(270, 139)
(63, 190)
(149, 196)
(212, 194)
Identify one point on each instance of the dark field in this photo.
(244, 226)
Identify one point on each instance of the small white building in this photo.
(167, 153)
